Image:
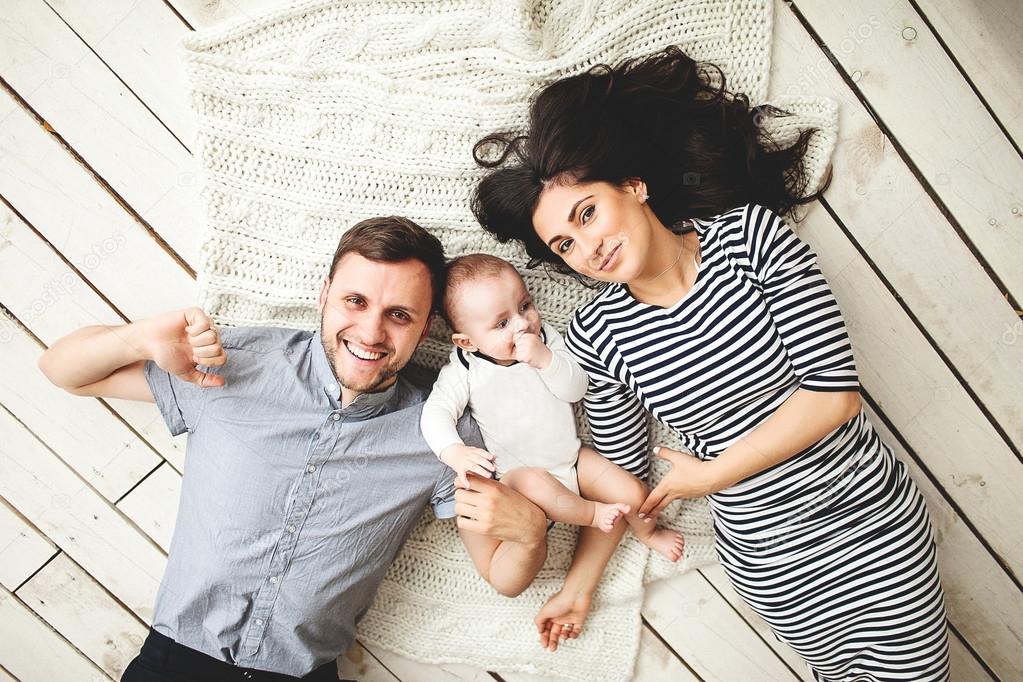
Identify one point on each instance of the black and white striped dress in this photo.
(832, 547)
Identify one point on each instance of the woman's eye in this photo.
(586, 214)
(564, 246)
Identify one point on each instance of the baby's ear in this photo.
(463, 342)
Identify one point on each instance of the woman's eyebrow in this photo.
(571, 214)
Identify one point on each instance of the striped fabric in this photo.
(832, 547)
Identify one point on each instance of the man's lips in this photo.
(363, 353)
(610, 258)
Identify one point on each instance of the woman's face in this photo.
(600, 230)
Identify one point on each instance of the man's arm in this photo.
(108, 361)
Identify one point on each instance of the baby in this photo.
(519, 380)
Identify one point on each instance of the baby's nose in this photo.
(519, 325)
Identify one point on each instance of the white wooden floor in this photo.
(920, 235)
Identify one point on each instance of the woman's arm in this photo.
(802, 420)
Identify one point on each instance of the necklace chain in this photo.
(675, 262)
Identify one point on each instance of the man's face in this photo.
(373, 315)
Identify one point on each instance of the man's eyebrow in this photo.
(571, 214)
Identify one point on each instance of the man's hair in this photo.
(391, 240)
(469, 268)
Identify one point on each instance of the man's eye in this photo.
(564, 246)
(354, 300)
(586, 214)
(401, 316)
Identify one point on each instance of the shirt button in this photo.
(273, 579)
(259, 621)
(335, 416)
(332, 388)
(310, 468)
(291, 529)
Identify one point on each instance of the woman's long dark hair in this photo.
(665, 119)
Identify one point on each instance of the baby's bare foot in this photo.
(667, 543)
(605, 516)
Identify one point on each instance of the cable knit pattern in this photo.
(319, 114)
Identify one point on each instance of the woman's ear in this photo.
(464, 342)
(638, 187)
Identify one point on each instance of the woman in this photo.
(723, 327)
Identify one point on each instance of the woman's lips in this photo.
(611, 259)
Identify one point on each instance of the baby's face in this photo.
(491, 311)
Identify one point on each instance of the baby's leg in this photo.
(602, 479)
(541, 488)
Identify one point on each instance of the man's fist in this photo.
(178, 341)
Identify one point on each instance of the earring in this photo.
(646, 197)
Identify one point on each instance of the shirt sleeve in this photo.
(801, 304)
(180, 402)
(564, 377)
(444, 406)
(614, 413)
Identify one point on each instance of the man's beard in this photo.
(385, 374)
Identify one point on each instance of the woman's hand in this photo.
(562, 617)
(688, 477)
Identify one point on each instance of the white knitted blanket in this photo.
(322, 113)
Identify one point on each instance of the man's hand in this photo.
(463, 459)
(491, 508)
(179, 340)
(530, 349)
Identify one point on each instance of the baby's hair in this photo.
(470, 268)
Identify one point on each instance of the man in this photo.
(306, 469)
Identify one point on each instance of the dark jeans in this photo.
(164, 660)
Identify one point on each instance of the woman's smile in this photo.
(611, 259)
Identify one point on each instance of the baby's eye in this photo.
(502, 324)
(525, 306)
(586, 214)
(564, 246)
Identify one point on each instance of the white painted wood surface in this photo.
(99, 223)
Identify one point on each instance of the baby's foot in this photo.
(667, 543)
(605, 516)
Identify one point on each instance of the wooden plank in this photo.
(32, 652)
(66, 84)
(153, 505)
(137, 40)
(359, 664)
(23, 549)
(919, 394)
(80, 430)
(947, 132)
(52, 300)
(78, 607)
(697, 622)
(904, 373)
(78, 217)
(200, 14)
(965, 667)
(6, 676)
(906, 237)
(716, 576)
(982, 602)
(983, 36)
(97, 536)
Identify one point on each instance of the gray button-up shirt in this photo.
(292, 508)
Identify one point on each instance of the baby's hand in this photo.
(463, 458)
(530, 349)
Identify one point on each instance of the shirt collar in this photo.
(365, 404)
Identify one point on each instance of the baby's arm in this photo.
(563, 376)
(447, 402)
